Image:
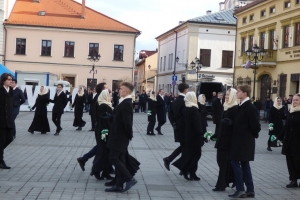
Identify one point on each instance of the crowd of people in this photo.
(235, 117)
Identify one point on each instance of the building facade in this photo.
(58, 36)
(274, 26)
(231, 4)
(210, 38)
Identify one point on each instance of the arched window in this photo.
(248, 80)
(240, 81)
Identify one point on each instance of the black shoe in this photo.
(110, 183)
(159, 133)
(185, 175)
(129, 184)
(79, 129)
(58, 130)
(167, 163)
(194, 177)
(4, 166)
(114, 189)
(57, 133)
(218, 189)
(292, 184)
(238, 194)
(81, 163)
(153, 134)
(30, 131)
(269, 149)
(250, 195)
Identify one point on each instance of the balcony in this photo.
(270, 60)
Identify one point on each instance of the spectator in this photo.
(214, 96)
(143, 101)
(268, 105)
(257, 105)
(288, 105)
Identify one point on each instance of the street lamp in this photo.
(93, 57)
(197, 65)
(255, 55)
(149, 67)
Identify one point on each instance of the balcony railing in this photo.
(271, 56)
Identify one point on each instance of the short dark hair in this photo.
(14, 80)
(160, 90)
(291, 95)
(152, 92)
(128, 85)
(182, 87)
(61, 85)
(221, 92)
(4, 77)
(100, 87)
(245, 88)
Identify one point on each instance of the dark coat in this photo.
(257, 105)
(276, 117)
(217, 108)
(152, 108)
(290, 135)
(92, 101)
(226, 129)
(6, 108)
(143, 98)
(19, 98)
(116, 98)
(203, 113)
(268, 104)
(121, 127)
(40, 105)
(246, 128)
(176, 117)
(160, 107)
(78, 113)
(60, 102)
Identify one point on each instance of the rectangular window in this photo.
(69, 49)
(262, 39)
(243, 45)
(165, 62)
(272, 39)
(227, 59)
(118, 52)
(297, 34)
(160, 68)
(20, 46)
(272, 9)
(171, 61)
(46, 47)
(245, 20)
(286, 36)
(263, 13)
(251, 38)
(287, 4)
(93, 49)
(205, 55)
(251, 17)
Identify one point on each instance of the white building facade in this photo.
(231, 4)
(210, 38)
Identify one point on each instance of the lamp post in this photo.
(176, 59)
(183, 77)
(149, 67)
(93, 57)
(197, 65)
(255, 55)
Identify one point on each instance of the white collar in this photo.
(7, 89)
(15, 87)
(182, 94)
(94, 94)
(123, 98)
(59, 93)
(242, 102)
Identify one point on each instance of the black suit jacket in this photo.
(121, 127)
(60, 102)
(19, 98)
(92, 101)
(160, 109)
(6, 108)
(217, 108)
(176, 117)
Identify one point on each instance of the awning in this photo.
(4, 69)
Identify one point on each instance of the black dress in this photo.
(40, 121)
(188, 162)
(78, 113)
(276, 117)
(203, 113)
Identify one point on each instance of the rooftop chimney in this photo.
(208, 12)
(83, 9)
(221, 6)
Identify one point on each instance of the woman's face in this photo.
(296, 101)
(227, 96)
(79, 90)
(42, 88)
(204, 98)
(279, 102)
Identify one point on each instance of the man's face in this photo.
(13, 84)
(240, 94)
(162, 92)
(214, 94)
(291, 98)
(220, 96)
(59, 88)
(124, 91)
(8, 81)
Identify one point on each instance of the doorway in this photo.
(265, 87)
(71, 80)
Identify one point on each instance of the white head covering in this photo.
(190, 100)
(104, 98)
(276, 105)
(201, 99)
(81, 93)
(293, 108)
(152, 96)
(45, 91)
(232, 101)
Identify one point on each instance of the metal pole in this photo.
(93, 74)
(254, 75)
(146, 79)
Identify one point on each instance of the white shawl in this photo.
(190, 100)
(104, 98)
(232, 101)
(201, 99)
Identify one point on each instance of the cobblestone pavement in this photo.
(45, 166)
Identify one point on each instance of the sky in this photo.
(152, 17)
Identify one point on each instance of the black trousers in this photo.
(293, 164)
(117, 159)
(216, 130)
(176, 152)
(16, 111)
(56, 120)
(6, 137)
(225, 169)
(160, 124)
(93, 121)
(143, 106)
(150, 127)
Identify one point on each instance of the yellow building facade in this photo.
(275, 26)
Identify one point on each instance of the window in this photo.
(205, 57)
(297, 34)
(160, 64)
(272, 39)
(20, 46)
(170, 61)
(46, 48)
(165, 60)
(243, 45)
(251, 17)
(69, 49)
(286, 36)
(272, 9)
(93, 49)
(227, 58)
(262, 39)
(245, 20)
(251, 38)
(287, 4)
(263, 13)
(240, 81)
(248, 81)
(118, 52)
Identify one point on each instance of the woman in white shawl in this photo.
(78, 113)
(223, 142)
(40, 121)
(194, 140)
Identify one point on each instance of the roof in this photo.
(254, 3)
(222, 17)
(63, 14)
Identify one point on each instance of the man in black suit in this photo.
(6, 115)
(60, 102)
(143, 101)
(246, 129)
(116, 98)
(19, 99)
(92, 100)
(161, 111)
(119, 136)
(217, 108)
(177, 120)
